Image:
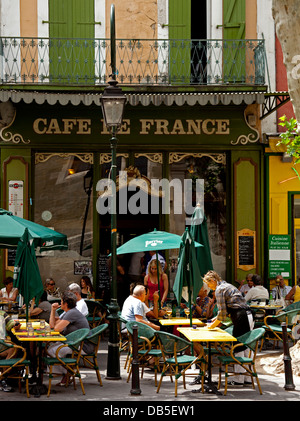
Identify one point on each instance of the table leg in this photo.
(39, 388)
(209, 386)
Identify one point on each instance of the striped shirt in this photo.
(228, 296)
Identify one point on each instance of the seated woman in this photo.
(72, 319)
(8, 293)
(87, 289)
(204, 305)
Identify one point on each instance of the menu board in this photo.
(280, 256)
(246, 249)
(102, 272)
(10, 259)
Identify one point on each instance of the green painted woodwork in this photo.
(173, 127)
(234, 56)
(246, 200)
(71, 19)
(179, 33)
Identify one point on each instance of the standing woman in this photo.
(150, 281)
(87, 290)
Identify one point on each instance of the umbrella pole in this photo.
(158, 283)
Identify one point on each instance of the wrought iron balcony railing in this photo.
(86, 62)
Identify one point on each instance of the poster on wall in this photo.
(246, 249)
(83, 267)
(280, 256)
(15, 197)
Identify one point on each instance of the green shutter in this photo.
(234, 62)
(72, 33)
(180, 44)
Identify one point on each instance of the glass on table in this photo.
(47, 330)
(30, 331)
(42, 324)
(187, 312)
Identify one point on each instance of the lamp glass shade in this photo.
(112, 109)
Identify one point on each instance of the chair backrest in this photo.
(75, 338)
(94, 334)
(288, 316)
(292, 306)
(94, 306)
(229, 329)
(170, 343)
(251, 338)
(143, 330)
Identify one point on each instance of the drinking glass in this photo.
(187, 312)
(42, 324)
(169, 311)
(30, 331)
(48, 330)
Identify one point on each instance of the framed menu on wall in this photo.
(246, 249)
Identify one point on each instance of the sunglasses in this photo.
(52, 284)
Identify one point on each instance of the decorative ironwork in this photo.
(153, 157)
(273, 101)
(106, 157)
(219, 158)
(243, 139)
(11, 137)
(88, 158)
(73, 61)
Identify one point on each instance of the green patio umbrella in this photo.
(188, 280)
(199, 232)
(27, 276)
(12, 228)
(154, 240)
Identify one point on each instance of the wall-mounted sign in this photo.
(246, 249)
(15, 197)
(280, 256)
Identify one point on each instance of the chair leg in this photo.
(50, 379)
(26, 381)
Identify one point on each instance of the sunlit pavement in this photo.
(118, 393)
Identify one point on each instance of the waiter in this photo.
(230, 302)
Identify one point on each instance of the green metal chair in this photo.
(13, 367)
(97, 313)
(90, 360)
(123, 338)
(292, 306)
(74, 341)
(175, 359)
(249, 340)
(272, 325)
(147, 351)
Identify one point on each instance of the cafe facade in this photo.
(55, 158)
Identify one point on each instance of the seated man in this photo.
(134, 308)
(7, 323)
(80, 303)
(281, 290)
(257, 292)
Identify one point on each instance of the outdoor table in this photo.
(39, 338)
(203, 334)
(180, 321)
(270, 309)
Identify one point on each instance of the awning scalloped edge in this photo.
(135, 99)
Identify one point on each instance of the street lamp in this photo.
(113, 103)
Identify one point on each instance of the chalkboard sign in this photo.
(102, 272)
(246, 249)
(10, 258)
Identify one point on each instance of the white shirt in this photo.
(82, 307)
(283, 291)
(257, 292)
(133, 306)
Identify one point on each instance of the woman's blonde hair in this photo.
(211, 275)
(154, 263)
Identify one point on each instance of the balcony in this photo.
(67, 63)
